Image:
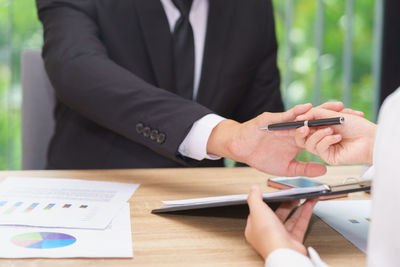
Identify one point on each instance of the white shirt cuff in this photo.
(287, 257)
(195, 143)
(315, 258)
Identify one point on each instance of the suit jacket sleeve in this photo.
(264, 93)
(90, 83)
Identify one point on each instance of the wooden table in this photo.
(181, 240)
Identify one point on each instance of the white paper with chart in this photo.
(351, 218)
(66, 203)
(37, 242)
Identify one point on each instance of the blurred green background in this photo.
(20, 28)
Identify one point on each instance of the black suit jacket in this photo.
(110, 62)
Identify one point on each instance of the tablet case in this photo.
(226, 208)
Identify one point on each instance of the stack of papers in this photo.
(43, 217)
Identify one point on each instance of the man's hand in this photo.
(267, 231)
(348, 143)
(261, 149)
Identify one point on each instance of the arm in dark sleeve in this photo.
(90, 83)
(264, 93)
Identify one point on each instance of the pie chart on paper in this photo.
(43, 240)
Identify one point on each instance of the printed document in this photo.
(36, 242)
(66, 203)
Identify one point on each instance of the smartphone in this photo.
(296, 182)
(291, 182)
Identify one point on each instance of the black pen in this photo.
(298, 124)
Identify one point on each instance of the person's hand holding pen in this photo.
(348, 143)
(264, 150)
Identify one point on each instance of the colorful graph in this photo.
(16, 205)
(31, 207)
(43, 240)
(49, 206)
(66, 206)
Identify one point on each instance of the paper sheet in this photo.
(351, 218)
(36, 242)
(243, 197)
(67, 203)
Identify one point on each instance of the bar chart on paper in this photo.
(43, 240)
(64, 218)
(68, 203)
(50, 213)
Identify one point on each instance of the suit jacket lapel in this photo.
(158, 40)
(218, 26)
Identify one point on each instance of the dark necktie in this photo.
(184, 50)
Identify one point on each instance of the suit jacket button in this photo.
(161, 138)
(153, 135)
(139, 128)
(146, 131)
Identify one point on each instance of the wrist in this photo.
(222, 138)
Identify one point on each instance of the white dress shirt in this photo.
(195, 143)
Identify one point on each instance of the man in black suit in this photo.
(121, 70)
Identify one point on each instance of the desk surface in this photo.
(173, 240)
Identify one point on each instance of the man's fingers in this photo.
(318, 113)
(335, 106)
(298, 110)
(289, 116)
(300, 136)
(310, 169)
(292, 113)
(290, 132)
(353, 112)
